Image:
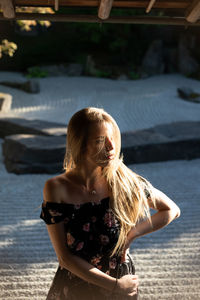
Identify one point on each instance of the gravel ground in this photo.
(134, 104)
(167, 261)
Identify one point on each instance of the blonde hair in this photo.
(128, 190)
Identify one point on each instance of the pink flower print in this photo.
(55, 213)
(108, 272)
(104, 239)
(93, 219)
(109, 218)
(99, 267)
(86, 227)
(112, 263)
(95, 260)
(70, 239)
(79, 246)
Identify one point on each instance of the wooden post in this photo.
(150, 5)
(8, 8)
(56, 5)
(193, 12)
(104, 9)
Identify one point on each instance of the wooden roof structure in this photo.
(166, 12)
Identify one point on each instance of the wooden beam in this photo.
(94, 19)
(193, 12)
(104, 10)
(150, 5)
(181, 4)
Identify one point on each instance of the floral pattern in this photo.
(109, 218)
(91, 233)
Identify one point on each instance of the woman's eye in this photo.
(99, 141)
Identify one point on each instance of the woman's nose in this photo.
(109, 144)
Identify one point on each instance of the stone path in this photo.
(167, 261)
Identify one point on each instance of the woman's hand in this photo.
(127, 285)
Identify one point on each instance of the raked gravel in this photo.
(135, 104)
(167, 261)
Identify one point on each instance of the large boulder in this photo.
(187, 64)
(33, 153)
(178, 140)
(153, 61)
(10, 126)
(45, 154)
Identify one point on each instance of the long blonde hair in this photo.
(129, 191)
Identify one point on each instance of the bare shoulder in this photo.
(55, 189)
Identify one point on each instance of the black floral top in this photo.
(91, 229)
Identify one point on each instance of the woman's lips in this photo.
(110, 156)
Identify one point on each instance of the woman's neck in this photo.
(89, 176)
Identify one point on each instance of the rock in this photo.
(31, 86)
(170, 60)
(178, 140)
(10, 126)
(123, 77)
(188, 94)
(90, 68)
(74, 70)
(5, 102)
(34, 153)
(186, 63)
(153, 62)
(45, 154)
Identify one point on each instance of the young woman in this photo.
(94, 211)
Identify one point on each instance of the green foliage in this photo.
(103, 74)
(36, 72)
(133, 75)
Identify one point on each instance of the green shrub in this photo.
(36, 72)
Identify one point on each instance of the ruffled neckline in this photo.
(77, 204)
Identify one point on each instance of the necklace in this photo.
(93, 192)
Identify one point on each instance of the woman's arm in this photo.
(75, 264)
(167, 211)
(127, 285)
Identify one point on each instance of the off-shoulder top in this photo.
(91, 229)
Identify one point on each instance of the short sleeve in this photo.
(52, 213)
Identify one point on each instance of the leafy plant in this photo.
(36, 72)
(133, 75)
(103, 74)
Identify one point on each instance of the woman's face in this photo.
(100, 149)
